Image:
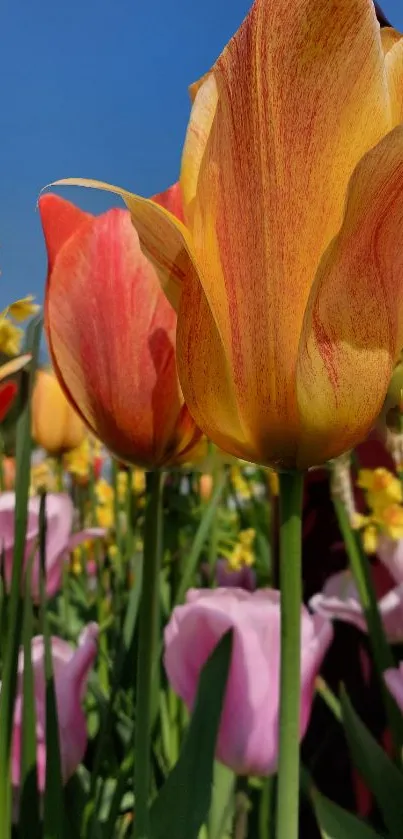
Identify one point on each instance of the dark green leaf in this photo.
(15, 611)
(382, 776)
(29, 823)
(53, 808)
(183, 802)
(336, 823)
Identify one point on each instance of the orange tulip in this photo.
(289, 267)
(111, 335)
(55, 425)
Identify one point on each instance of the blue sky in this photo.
(96, 88)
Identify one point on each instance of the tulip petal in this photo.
(195, 86)
(275, 132)
(105, 310)
(201, 119)
(164, 240)
(205, 376)
(61, 219)
(392, 43)
(171, 199)
(353, 328)
(7, 395)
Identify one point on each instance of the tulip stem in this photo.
(382, 655)
(291, 487)
(147, 651)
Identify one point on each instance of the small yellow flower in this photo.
(42, 477)
(76, 565)
(138, 481)
(23, 309)
(242, 553)
(104, 515)
(113, 552)
(381, 486)
(370, 539)
(10, 337)
(247, 537)
(240, 484)
(390, 519)
(103, 491)
(122, 482)
(78, 461)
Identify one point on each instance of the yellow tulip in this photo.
(288, 271)
(55, 425)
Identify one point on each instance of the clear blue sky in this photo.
(97, 88)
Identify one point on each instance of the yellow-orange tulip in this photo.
(111, 334)
(289, 267)
(55, 425)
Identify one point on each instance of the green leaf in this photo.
(223, 802)
(183, 802)
(53, 806)
(336, 823)
(15, 611)
(382, 776)
(29, 821)
(123, 650)
(200, 538)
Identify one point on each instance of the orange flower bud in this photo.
(206, 486)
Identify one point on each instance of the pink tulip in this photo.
(59, 540)
(394, 682)
(390, 553)
(339, 600)
(70, 668)
(248, 735)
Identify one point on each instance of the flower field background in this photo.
(201, 490)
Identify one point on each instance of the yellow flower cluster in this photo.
(10, 334)
(43, 477)
(104, 510)
(242, 553)
(240, 483)
(138, 483)
(78, 461)
(384, 497)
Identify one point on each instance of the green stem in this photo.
(383, 658)
(291, 486)
(213, 535)
(147, 651)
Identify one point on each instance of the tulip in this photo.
(390, 553)
(59, 540)
(70, 668)
(339, 600)
(55, 425)
(394, 681)
(248, 735)
(288, 270)
(111, 335)
(8, 387)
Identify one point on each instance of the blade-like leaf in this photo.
(382, 776)
(200, 538)
(184, 801)
(53, 807)
(29, 823)
(336, 823)
(15, 611)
